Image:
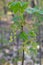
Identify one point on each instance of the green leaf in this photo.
(16, 19)
(34, 45)
(18, 6)
(41, 12)
(34, 10)
(32, 34)
(31, 10)
(23, 36)
(33, 51)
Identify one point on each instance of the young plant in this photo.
(28, 39)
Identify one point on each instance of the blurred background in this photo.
(8, 50)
